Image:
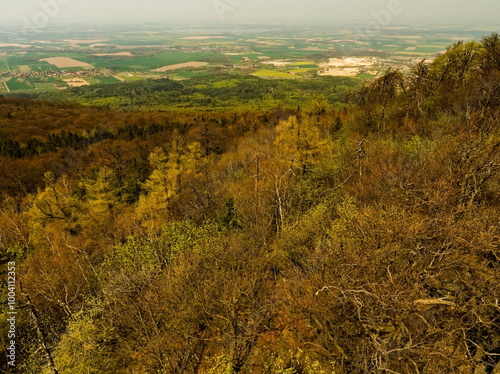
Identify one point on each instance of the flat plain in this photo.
(62, 59)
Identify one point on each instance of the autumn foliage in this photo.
(303, 240)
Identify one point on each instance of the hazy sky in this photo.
(229, 11)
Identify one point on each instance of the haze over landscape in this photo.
(120, 11)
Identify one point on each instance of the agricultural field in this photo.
(16, 84)
(110, 79)
(66, 62)
(3, 87)
(91, 57)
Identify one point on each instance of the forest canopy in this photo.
(320, 238)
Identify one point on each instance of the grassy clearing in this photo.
(366, 76)
(188, 74)
(272, 74)
(226, 83)
(107, 79)
(298, 70)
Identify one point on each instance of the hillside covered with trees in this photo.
(363, 238)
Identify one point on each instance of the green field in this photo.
(92, 80)
(235, 58)
(187, 74)
(15, 84)
(45, 86)
(298, 70)
(76, 69)
(28, 63)
(3, 88)
(3, 64)
(158, 61)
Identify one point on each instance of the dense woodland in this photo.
(218, 90)
(297, 240)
